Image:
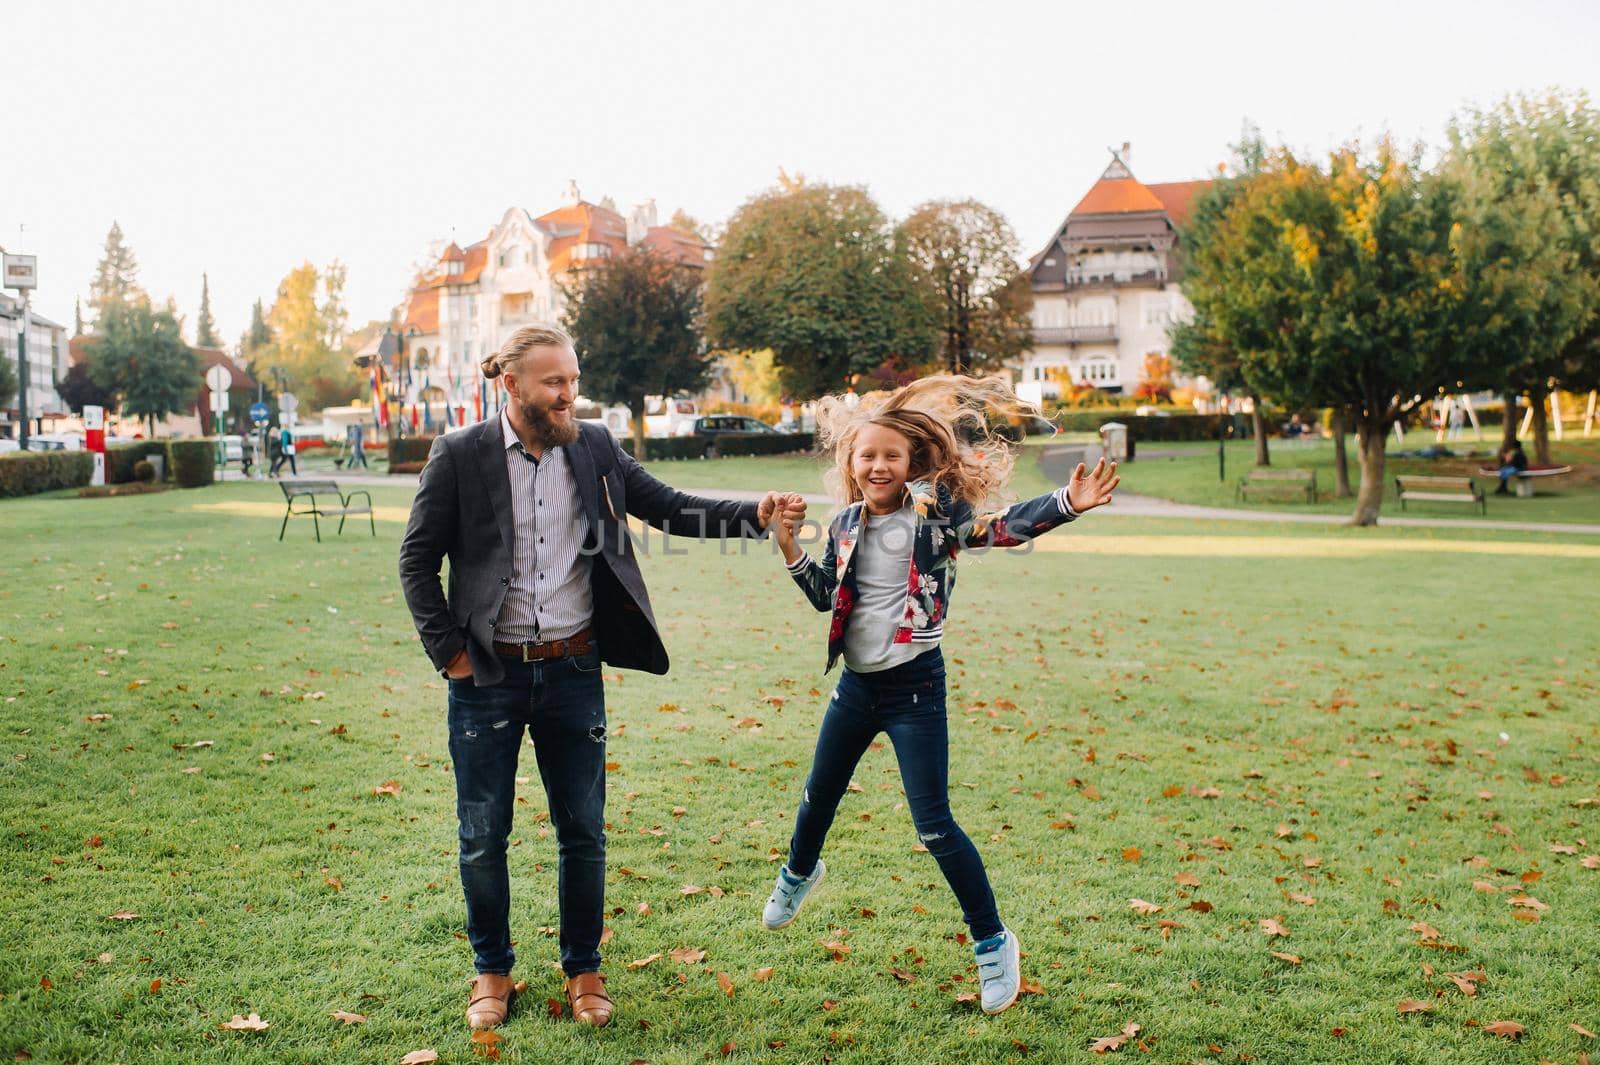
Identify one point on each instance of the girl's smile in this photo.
(881, 465)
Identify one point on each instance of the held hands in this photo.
(789, 510)
(1085, 491)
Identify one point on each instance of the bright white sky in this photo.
(241, 140)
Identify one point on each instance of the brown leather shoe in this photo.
(586, 994)
(490, 1000)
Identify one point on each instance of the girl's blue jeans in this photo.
(908, 703)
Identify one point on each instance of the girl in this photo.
(912, 468)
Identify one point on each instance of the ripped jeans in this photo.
(561, 703)
(906, 701)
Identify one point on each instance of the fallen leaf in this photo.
(348, 1017)
(728, 1048)
(725, 982)
(1187, 879)
(388, 787)
(1304, 900)
(829, 1004)
(1114, 1042)
(1201, 906)
(1272, 928)
(420, 1057)
(1292, 959)
(761, 976)
(1581, 1030)
(686, 955)
(121, 915)
(1141, 906)
(1411, 1005)
(642, 962)
(252, 1023)
(155, 987)
(1425, 930)
(1505, 1029)
(1131, 854)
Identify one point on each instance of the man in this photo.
(529, 507)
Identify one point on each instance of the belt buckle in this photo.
(525, 657)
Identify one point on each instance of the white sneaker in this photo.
(788, 894)
(999, 971)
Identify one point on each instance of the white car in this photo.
(55, 442)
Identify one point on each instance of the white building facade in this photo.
(1105, 287)
(47, 364)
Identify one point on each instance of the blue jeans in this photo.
(907, 702)
(561, 702)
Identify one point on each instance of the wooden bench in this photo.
(1265, 479)
(1441, 490)
(307, 490)
(1525, 478)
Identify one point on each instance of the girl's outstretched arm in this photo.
(1022, 521)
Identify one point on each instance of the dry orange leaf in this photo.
(121, 915)
(1425, 930)
(1581, 1030)
(1411, 1005)
(348, 1017)
(1304, 900)
(1171, 791)
(1272, 928)
(252, 1023)
(686, 955)
(1141, 906)
(420, 1057)
(725, 982)
(1187, 879)
(1131, 854)
(1292, 959)
(761, 976)
(1505, 1029)
(642, 962)
(388, 787)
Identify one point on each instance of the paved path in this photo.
(1059, 461)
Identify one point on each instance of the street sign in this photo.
(219, 402)
(219, 378)
(288, 402)
(259, 413)
(21, 271)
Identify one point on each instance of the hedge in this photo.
(762, 443)
(1143, 426)
(121, 459)
(193, 462)
(408, 449)
(25, 473)
(668, 447)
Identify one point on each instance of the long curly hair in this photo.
(948, 420)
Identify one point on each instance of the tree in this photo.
(812, 272)
(1156, 384)
(688, 224)
(259, 335)
(78, 389)
(633, 319)
(205, 328)
(140, 356)
(1338, 286)
(1526, 178)
(305, 337)
(963, 255)
(116, 277)
(77, 317)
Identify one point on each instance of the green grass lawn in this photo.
(1384, 751)
(1190, 475)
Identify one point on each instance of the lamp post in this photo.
(21, 274)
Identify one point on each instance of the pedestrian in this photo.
(912, 471)
(358, 451)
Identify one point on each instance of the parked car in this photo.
(55, 442)
(710, 428)
(669, 417)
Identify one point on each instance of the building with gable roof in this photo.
(1105, 286)
(475, 297)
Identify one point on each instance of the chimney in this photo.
(571, 196)
(641, 220)
(1127, 155)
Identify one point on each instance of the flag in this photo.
(380, 409)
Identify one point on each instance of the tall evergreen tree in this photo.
(116, 277)
(205, 328)
(77, 317)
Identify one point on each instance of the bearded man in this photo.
(530, 509)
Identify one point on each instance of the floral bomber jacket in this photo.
(943, 528)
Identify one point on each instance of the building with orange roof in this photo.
(1105, 286)
(473, 298)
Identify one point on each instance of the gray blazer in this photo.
(462, 512)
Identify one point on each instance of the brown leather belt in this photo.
(579, 643)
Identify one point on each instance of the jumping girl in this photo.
(913, 468)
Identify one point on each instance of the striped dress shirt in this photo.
(549, 597)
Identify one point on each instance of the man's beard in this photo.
(545, 429)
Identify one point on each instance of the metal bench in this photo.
(307, 490)
(1266, 480)
(1525, 478)
(1441, 490)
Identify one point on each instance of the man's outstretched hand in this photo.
(1085, 491)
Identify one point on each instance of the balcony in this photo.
(1075, 334)
(1114, 278)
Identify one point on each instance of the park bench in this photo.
(1441, 490)
(1525, 478)
(307, 490)
(1266, 480)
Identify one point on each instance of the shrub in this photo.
(762, 443)
(668, 447)
(1146, 427)
(144, 471)
(192, 462)
(25, 473)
